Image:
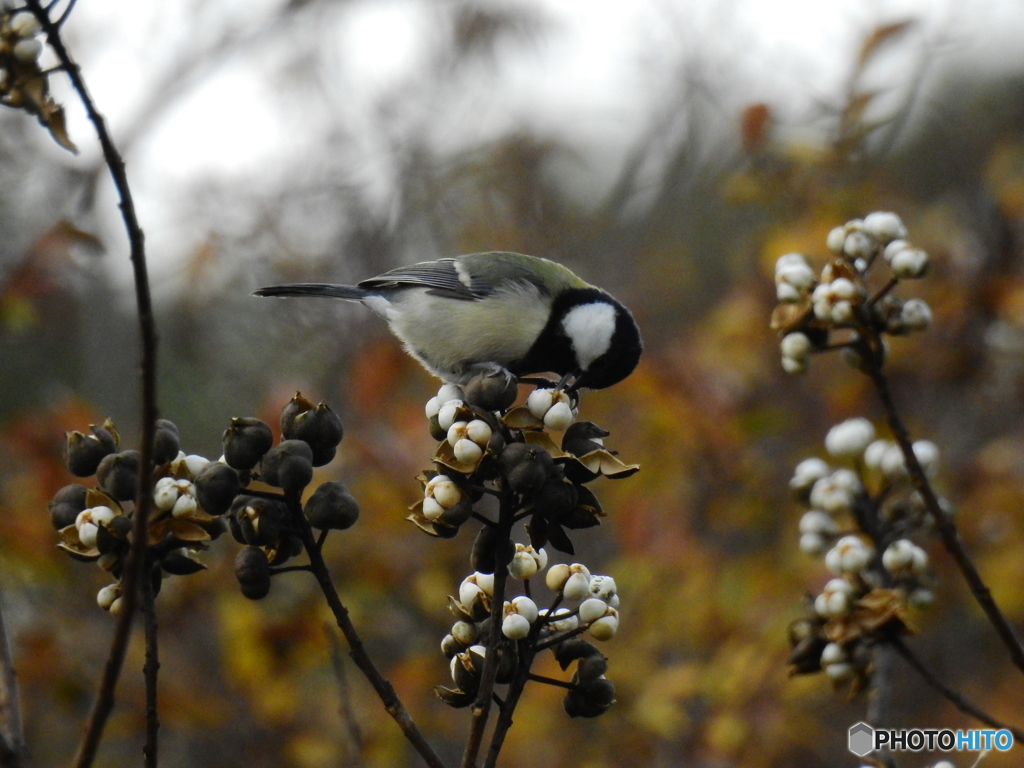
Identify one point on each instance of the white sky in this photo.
(594, 76)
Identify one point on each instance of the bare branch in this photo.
(956, 698)
(152, 667)
(362, 659)
(136, 557)
(943, 522)
(482, 706)
(355, 734)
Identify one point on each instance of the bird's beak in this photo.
(570, 381)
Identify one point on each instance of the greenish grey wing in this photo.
(488, 271)
(441, 277)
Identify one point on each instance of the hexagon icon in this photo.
(862, 739)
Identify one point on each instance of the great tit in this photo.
(486, 311)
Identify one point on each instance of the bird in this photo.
(497, 311)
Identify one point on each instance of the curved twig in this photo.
(357, 651)
(943, 523)
(151, 669)
(147, 325)
(482, 706)
(956, 698)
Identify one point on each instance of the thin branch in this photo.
(556, 639)
(147, 325)
(289, 569)
(515, 690)
(482, 706)
(883, 291)
(67, 12)
(13, 753)
(151, 668)
(879, 710)
(384, 689)
(355, 734)
(956, 698)
(550, 681)
(943, 522)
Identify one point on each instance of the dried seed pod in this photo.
(66, 504)
(288, 466)
(245, 441)
(492, 390)
(454, 697)
(589, 699)
(525, 467)
(165, 442)
(573, 649)
(583, 437)
(259, 520)
(83, 453)
(318, 426)
(118, 475)
(289, 545)
(450, 646)
(332, 507)
(458, 514)
(555, 499)
(482, 557)
(179, 564)
(591, 668)
(252, 569)
(216, 487)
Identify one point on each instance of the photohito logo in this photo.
(864, 739)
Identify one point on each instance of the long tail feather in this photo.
(323, 290)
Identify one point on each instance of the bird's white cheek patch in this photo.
(590, 328)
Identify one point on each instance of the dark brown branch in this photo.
(893, 282)
(67, 12)
(556, 639)
(13, 753)
(355, 734)
(943, 522)
(289, 569)
(482, 706)
(550, 681)
(147, 325)
(151, 668)
(956, 698)
(384, 689)
(515, 690)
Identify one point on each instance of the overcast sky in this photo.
(593, 74)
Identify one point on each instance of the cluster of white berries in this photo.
(834, 301)
(850, 555)
(467, 437)
(597, 595)
(445, 404)
(440, 493)
(89, 522)
(830, 493)
(552, 407)
(527, 561)
(838, 298)
(794, 277)
(836, 663)
(19, 33)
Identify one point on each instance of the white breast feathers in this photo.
(590, 328)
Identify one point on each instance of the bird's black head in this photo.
(587, 332)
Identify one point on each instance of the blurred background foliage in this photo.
(703, 542)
